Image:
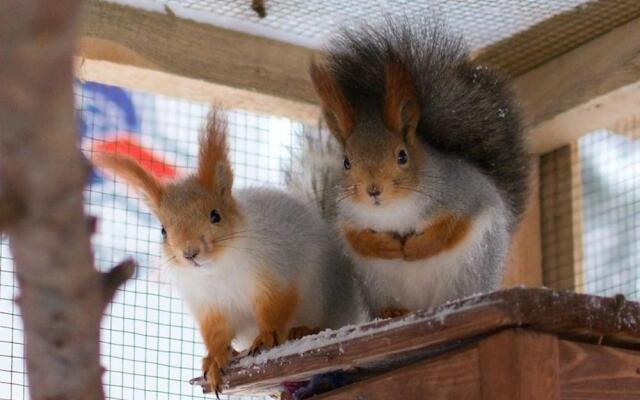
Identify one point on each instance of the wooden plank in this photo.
(454, 375)
(591, 372)
(588, 318)
(606, 111)
(554, 36)
(560, 194)
(364, 350)
(519, 365)
(138, 78)
(579, 76)
(524, 262)
(200, 51)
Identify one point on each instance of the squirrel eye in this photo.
(164, 233)
(347, 163)
(214, 217)
(402, 157)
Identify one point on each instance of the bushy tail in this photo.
(316, 170)
(467, 109)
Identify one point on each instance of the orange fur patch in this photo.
(446, 232)
(214, 168)
(274, 308)
(368, 243)
(131, 171)
(401, 109)
(338, 113)
(217, 336)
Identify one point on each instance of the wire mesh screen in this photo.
(149, 342)
(309, 23)
(514, 35)
(590, 199)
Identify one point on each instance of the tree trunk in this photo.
(42, 175)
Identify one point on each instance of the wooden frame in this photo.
(162, 41)
(154, 81)
(516, 344)
(513, 364)
(561, 99)
(556, 91)
(582, 90)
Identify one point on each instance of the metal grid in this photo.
(149, 342)
(590, 198)
(309, 23)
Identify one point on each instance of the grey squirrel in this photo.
(430, 177)
(255, 266)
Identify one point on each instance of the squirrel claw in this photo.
(264, 341)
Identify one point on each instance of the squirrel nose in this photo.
(190, 253)
(374, 190)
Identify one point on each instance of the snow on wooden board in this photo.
(614, 321)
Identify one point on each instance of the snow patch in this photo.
(315, 343)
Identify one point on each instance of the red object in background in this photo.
(122, 143)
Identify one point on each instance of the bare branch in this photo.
(112, 280)
(62, 296)
(11, 209)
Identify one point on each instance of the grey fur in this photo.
(295, 240)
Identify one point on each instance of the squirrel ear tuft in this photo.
(337, 111)
(214, 167)
(401, 106)
(131, 171)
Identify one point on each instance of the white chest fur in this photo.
(226, 285)
(397, 216)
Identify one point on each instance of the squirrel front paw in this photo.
(369, 243)
(419, 246)
(389, 245)
(413, 248)
(264, 341)
(213, 367)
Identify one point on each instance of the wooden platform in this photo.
(513, 344)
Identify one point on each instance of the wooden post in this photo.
(62, 297)
(519, 365)
(560, 199)
(524, 261)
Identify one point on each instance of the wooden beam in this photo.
(560, 199)
(524, 262)
(583, 88)
(519, 365)
(157, 82)
(423, 333)
(592, 372)
(454, 375)
(199, 51)
(607, 111)
(558, 34)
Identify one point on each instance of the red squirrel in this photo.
(433, 174)
(255, 266)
